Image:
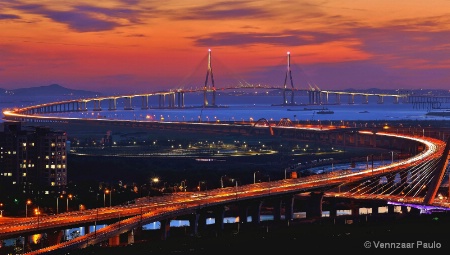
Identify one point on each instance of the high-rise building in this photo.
(33, 160)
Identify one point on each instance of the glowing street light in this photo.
(57, 203)
(26, 207)
(67, 205)
(104, 198)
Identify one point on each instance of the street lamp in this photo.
(67, 205)
(104, 197)
(57, 203)
(26, 207)
(37, 213)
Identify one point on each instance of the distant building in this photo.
(32, 160)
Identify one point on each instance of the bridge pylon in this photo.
(209, 72)
(285, 89)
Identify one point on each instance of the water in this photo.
(243, 108)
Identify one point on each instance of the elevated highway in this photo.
(125, 219)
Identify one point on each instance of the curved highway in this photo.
(131, 216)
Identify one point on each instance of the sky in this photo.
(132, 46)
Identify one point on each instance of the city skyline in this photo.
(140, 46)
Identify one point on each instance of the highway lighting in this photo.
(57, 203)
(104, 198)
(67, 206)
(26, 207)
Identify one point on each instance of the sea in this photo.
(241, 108)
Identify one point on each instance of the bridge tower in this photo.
(209, 72)
(288, 73)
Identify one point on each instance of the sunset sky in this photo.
(114, 46)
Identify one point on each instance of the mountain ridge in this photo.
(47, 90)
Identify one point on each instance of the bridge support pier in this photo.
(144, 104)
(289, 208)
(114, 241)
(161, 101)
(193, 223)
(355, 211)
(165, 228)
(55, 237)
(219, 213)
(112, 104)
(128, 104)
(333, 210)
(243, 213)
(314, 205)
(391, 209)
(277, 210)
(375, 210)
(180, 96)
(130, 237)
(97, 105)
(256, 212)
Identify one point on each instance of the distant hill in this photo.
(49, 90)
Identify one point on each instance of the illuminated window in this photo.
(52, 184)
(24, 144)
(24, 174)
(47, 166)
(52, 166)
(9, 174)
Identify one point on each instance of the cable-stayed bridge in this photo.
(175, 98)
